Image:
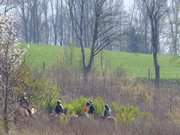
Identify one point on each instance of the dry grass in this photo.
(86, 127)
(162, 103)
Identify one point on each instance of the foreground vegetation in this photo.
(133, 64)
(139, 108)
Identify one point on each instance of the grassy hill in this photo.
(136, 65)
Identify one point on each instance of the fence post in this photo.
(149, 74)
(44, 66)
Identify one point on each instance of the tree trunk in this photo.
(85, 67)
(25, 23)
(86, 72)
(95, 37)
(155, 45)
(157, 70)
(146, 35)
(62, 25)
(5, 108)
(26, 33)
(55, 38)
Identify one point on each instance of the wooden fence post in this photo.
(149, 74)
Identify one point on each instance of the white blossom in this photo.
(10, 54)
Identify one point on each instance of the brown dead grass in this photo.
(162, 103)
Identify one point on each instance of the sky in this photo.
(128, 4)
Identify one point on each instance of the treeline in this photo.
(56, 22)
(51, 22)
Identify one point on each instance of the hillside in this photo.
(135, 65)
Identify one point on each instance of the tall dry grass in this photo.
(163, 104)
(92, 127)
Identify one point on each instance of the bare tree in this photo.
(61, 24)
(155, 11)
(34, 19)
(55, 9)
(45, 23)
(98, 22)
(1, 2)
(173, 17)
(7, 6)
(144, 24)
(24, 14)
(10, 59)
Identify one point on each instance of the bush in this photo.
(116, 107)
(76, 106)
(128, 114)
(99, 105)
(44, 94)
(23, 79)
(175, 116)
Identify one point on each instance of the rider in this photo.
(59, 107)
(91, 108)
(86, 109)
(23, 102)
(107, 111)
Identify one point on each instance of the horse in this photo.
(23, 115)
(110, 120)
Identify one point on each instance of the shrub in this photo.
(23, 79)
(76, 106)
(44, 94)
(128, 114)
(99, 105)
(116, 107)
(175, 116)
(70, 108)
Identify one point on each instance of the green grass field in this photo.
(135, 65)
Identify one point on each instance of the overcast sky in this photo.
(128, 4)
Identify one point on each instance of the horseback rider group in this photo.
(88, 109)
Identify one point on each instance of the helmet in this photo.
(87, 104)
(106, 106)
(90, 102)
(24, 96)
(59, 101)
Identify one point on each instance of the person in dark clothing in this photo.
(86, 107)
(91, 108)
(23, 102)
(107, 111)
(59, 108)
